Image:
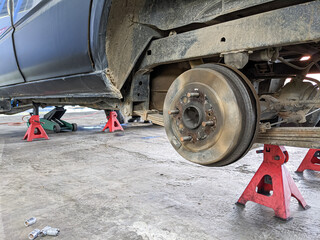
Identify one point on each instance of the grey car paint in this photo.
(9, 73)
(55, 46)
(51, 40)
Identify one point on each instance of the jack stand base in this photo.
(311, 161)
(35, 129)
(113, 123)
(272, 185)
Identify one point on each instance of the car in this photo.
(219, 75)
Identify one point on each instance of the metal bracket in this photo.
(5, 106)
(141, 87)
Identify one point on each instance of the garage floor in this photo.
(133, 185)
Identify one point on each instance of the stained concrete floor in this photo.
(133, 185)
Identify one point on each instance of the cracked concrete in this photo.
(133, 185)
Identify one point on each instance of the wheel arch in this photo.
(99, 14)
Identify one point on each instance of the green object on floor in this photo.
(52, 121)
(58, 126)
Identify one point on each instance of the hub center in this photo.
(192, 117)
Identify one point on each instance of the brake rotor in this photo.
(209, 115)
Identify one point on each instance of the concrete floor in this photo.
(133, 185)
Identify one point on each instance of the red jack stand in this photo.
(311, 161)
(273, 176)
(35, 129)
(113, 123)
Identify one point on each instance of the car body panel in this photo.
(82, 85)
(98, 30)
(51, 40)
(8, 66)
(92, 83)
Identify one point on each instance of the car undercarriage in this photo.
(217, 82)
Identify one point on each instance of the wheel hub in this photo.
(194, 116)
(205, 116)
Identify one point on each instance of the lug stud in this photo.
(193, 95)
(208, 123)
(186, 139)
(171, 112)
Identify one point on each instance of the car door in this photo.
(51, 37)
(9, 72)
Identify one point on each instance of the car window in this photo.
(22, 7)
(3, 8)
(5, 21)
